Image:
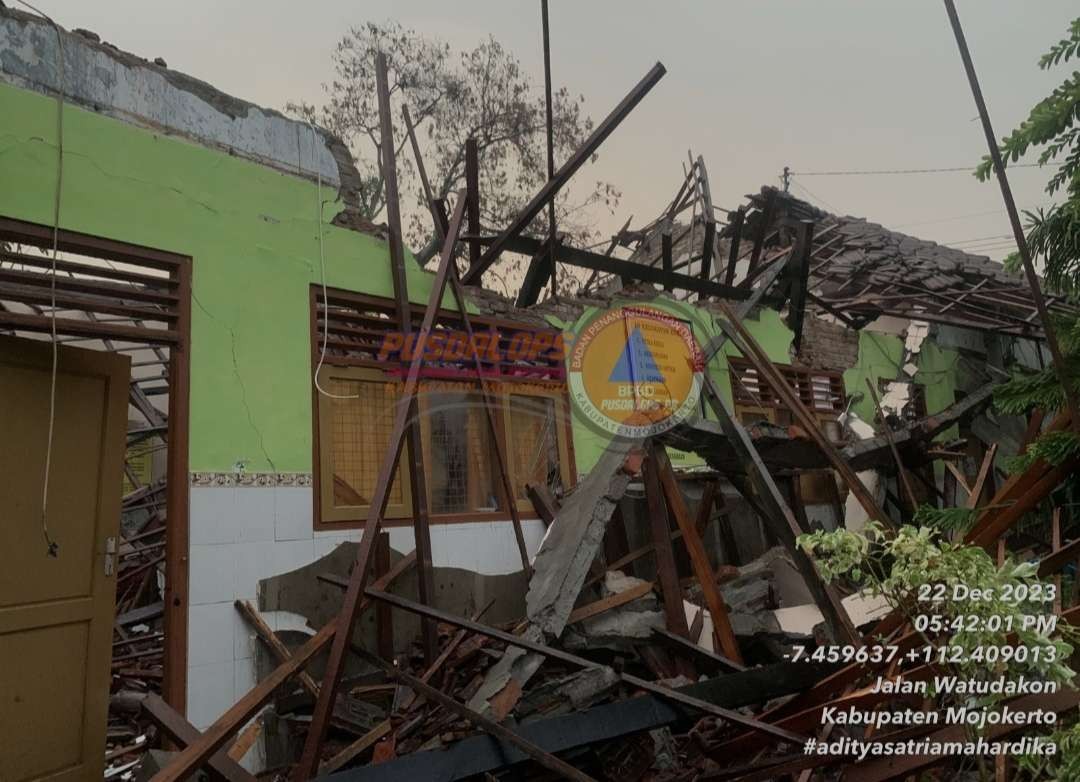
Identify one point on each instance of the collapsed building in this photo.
(218, 246)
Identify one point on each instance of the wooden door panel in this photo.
(80, 413)
(56, 613)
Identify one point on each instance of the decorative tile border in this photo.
(250, 479)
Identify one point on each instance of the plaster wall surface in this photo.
(127, 87)
(240, 535)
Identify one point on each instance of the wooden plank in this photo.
(413, 700)
(901, 471)
(119, 292)
(465, 319)
(799, 274)
(355, 749)
(754, 353)
(67, 300)
(183, 733)
(1000, 524)
(490, 405)
(660, 525)
(472, 203)
(21, 321)
(543, 502)
(550, 188)
(571, 659)
(177, 499)
(1072, 397)
(357, 580)
(778, 516)
(545, 759)
(403, 312)
(437, 217)
(245, 740)
(628, 270)
(536, 276)
(666, 260)
(384, 618)
(961, 479)
(272, 642)
(980, 479)
(611, 601)
(765, 218)
(699, 558)
(1053, 562)
(244, 709)
(735, 231)
(77, 267)
(699, 653)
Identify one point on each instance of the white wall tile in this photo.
(211, 573)
(210, 633)
(210, 692)
(293, 513)
(255, 516)
(324, 544)
(401, 539)
(252, 563)
(293, 554)
(244, 677)
(213, 515)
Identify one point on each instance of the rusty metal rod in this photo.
(1014, 217)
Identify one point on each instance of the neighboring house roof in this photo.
(861, 270)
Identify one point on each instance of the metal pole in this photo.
(1014, 217)
(550, 147)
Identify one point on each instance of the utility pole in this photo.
(550, 148)
(786, 178)
(1014, 219)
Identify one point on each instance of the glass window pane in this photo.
(534, 443)
(461, 475)
(360, 434)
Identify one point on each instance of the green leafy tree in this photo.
(481, 93)
(1053, 235)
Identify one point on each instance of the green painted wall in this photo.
(768, 329)
(251, 233)
(881, 356)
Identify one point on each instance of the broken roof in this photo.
(860, 270)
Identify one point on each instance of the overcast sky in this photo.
(753, 86)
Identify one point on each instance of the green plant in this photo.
(900, 567)
(1053, 233)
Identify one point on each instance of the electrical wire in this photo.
(52, 548)
(816, 197)
(322, 271)
(901, 171)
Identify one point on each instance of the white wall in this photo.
(241, 534)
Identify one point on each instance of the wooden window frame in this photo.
(334, 514)
(564, 436)
(354, 517)
(768, 405)
(178, 339)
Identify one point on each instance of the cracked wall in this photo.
(251, 233)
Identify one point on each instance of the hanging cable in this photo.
(901, 171)
(322, 271)
(52, 548)
(814, 196)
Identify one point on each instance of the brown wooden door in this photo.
(56, 613)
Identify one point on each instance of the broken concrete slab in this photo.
(459, 591)
(560, 569)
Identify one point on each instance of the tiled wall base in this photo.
(241, 534)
